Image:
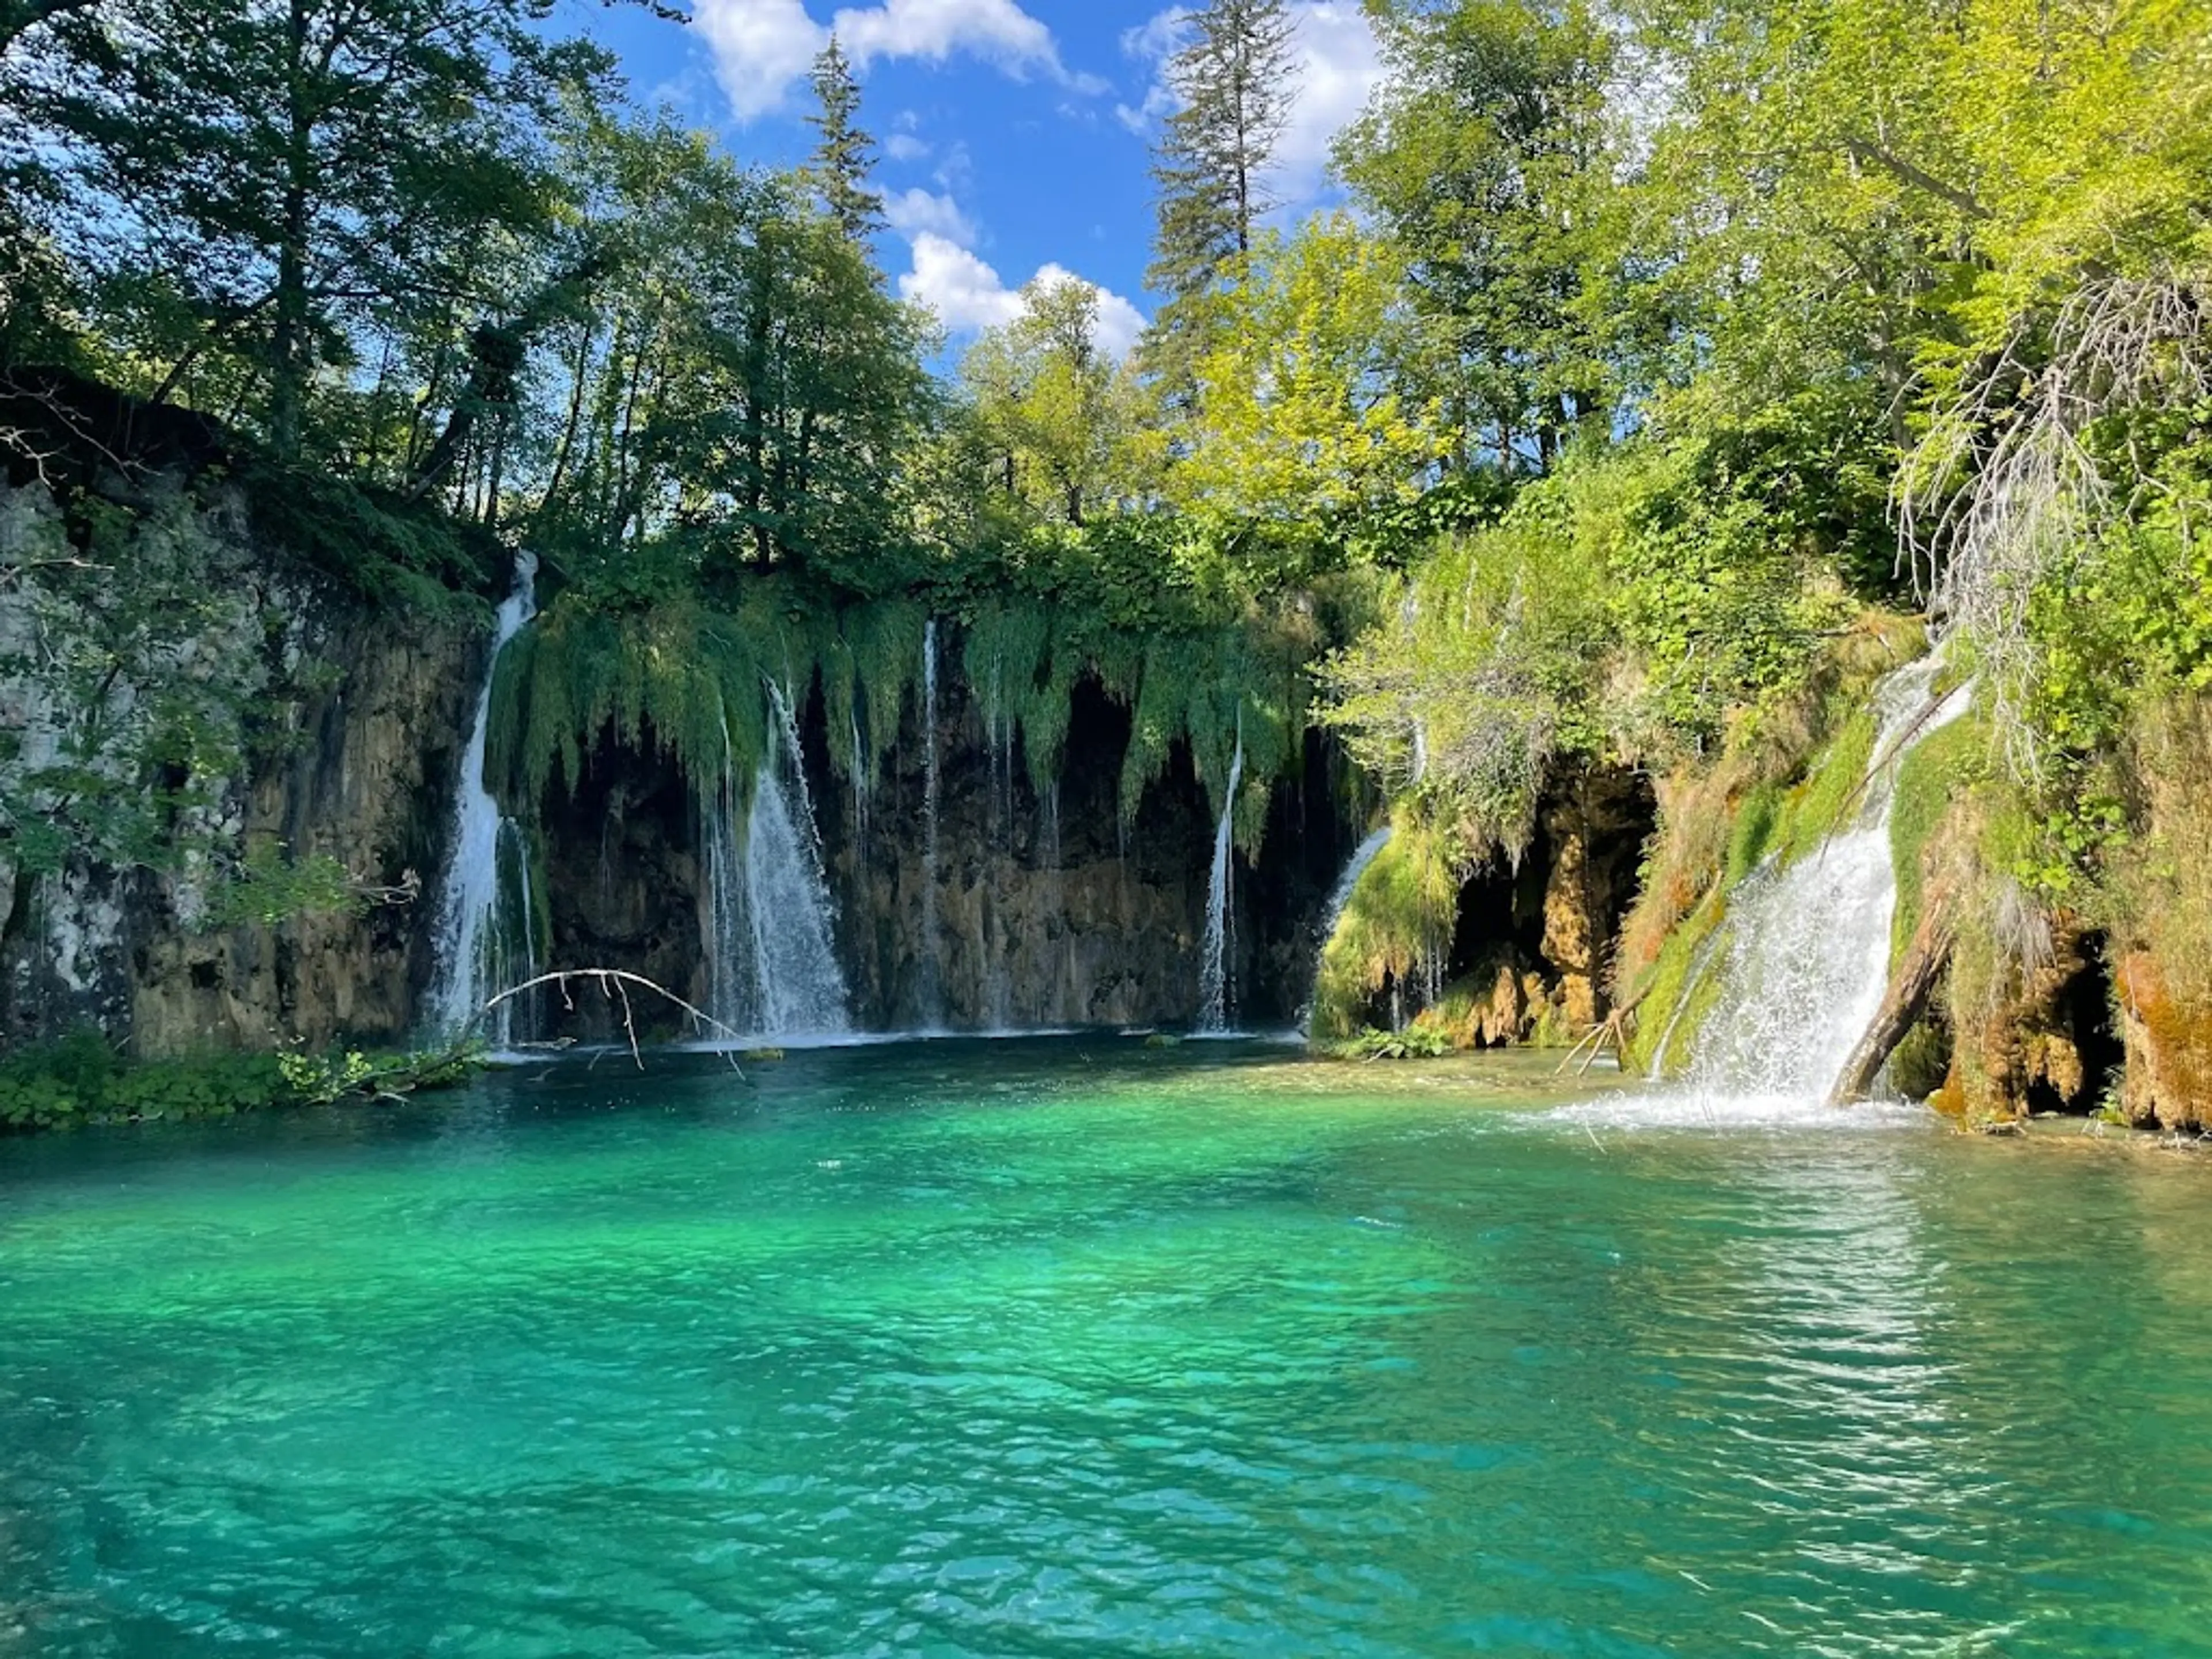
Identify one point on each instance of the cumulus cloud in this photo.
(762, 48)
(916, 213)
(967, 294)
(1339, 64)
(905, 147)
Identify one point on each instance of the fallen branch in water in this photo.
(1613, 1028)
(614, 983)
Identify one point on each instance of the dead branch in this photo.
(2004, 491)
(614, 984)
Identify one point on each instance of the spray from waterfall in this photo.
(485, 941)
(1809, 959)
(1213, 968)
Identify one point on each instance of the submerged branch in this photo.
(614, 983)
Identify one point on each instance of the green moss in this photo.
(1753, 832)
(1683, 969)
(1399, 917)
(81, 1080)
(1832, 790)
(691, 681)
(1938, 772)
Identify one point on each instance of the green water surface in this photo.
(1081, 1347)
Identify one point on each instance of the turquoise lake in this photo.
(1077, 1347)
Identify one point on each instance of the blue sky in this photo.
(1016, 133)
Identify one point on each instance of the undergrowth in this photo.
(80, 1080)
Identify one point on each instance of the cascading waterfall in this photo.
(732, 984)
(486, 940)
(770, 924)
(1213, 963)
(1808, 961)
(1340, 897)
(932, 975)
(1339, 900)
(801, 988)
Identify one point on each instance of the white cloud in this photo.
(762, 48)
(905, 147)
(1339, 63)
(915, 213)
(967, 294)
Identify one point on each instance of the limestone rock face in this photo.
(1035, 911)
(1595, 829)
(2043, 1046)
(341, 733)
(2169, 1081)
(366, 779)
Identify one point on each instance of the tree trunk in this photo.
(1925, 959)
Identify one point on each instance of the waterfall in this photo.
(770, 925)
(485, 941)
(1340, 896)
(932, 979)
(1339, 899)
(1808, 961)
(1213, 968)
(859, 786)
(733, 985)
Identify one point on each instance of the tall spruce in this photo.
(844, 154)
(1233, 80)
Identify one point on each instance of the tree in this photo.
(1233, 82)
(1486, 156)
(1301, 422)
(1063, 420)
(844, 156)
(274, 183)
(740, 390)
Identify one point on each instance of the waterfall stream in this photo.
(1339, 900)
(932, 965)
(1340, 896)
(1807, 963)
(1213, 968)
(770, 925)
(485, 941)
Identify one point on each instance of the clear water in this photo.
(1085, 1348)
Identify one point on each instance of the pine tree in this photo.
(844, 156)
(1233, 82)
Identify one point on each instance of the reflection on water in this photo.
(1081, 1347)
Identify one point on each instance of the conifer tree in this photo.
(1233, 80)
(844, 156)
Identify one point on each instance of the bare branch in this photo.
(614, 983)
